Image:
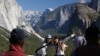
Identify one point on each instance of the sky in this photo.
(42, 5)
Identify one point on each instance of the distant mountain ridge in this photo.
(95, 4)
(32, 17)
(67, 18)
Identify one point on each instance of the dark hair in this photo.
(14, 41)
(46, 41)
(56, 37)
(17, 35)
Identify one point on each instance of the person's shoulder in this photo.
(87, 50)
(12, 53)
(2, 54)
(88, 47)
(64, 45)
(81, 36)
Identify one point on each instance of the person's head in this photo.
(48, 39)
(92, 34)
(17, 36)
(56, 39)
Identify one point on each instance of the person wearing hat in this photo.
(16, 43)
(42, 50)
(92, 48)
(45, 42)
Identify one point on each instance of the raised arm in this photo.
(63, 46)
(68, 38)
(37, 35)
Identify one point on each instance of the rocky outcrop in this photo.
(95, 4)
(11, 14)
(67, 17)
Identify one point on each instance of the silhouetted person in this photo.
(92, 48)
(78, 42)
(16, 43)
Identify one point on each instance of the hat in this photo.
(18, 34)
(49, 36)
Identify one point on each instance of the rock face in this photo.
(98, 22)
(95, 4)
(47, 11)
(81, 18)
(68, 17)
(11, 14)
(32, 17)
(58, 17)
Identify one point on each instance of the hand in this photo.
(72, 35)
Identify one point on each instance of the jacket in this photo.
(14, 50)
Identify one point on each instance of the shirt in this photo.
(43, 51)
(80, 41)
(14, 50)
(60, 51)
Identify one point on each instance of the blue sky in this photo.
(41, 5)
